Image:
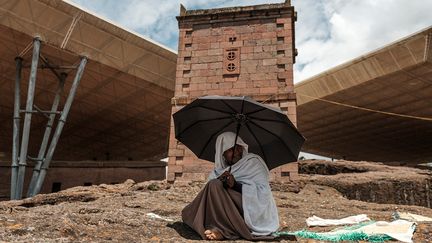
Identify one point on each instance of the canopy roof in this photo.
(376, 107)
(122, 107)
(368, 109)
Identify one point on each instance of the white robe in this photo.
(259, 208)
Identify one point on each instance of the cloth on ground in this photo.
(380, 231)
(411, 217)
(317, 221)
(401, 230)
(156, 216)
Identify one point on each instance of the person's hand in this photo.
(228, 178)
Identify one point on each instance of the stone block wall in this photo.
(239, 51)
(67, 174)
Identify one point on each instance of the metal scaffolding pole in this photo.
(59, 128)
(16, 128)
(47, 134)
(27, 120)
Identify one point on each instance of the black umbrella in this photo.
(268, 132)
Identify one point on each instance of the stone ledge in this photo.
(241, 13)
(240, 9)
(98, 164)
(267, 98)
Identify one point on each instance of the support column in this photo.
(59, 128)
(27, 120)
(48, 128)
(16, 128)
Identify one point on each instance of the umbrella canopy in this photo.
(268, 132)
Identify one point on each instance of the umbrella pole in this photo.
(235, 144)
(237, 131)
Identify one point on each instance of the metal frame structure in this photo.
(47, 134)
(44, 158)
(128, 84)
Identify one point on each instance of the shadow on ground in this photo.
(188, 233)
(184, 231)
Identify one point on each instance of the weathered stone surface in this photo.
(118, 213)
(372, 182)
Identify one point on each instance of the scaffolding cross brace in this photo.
(19, 151)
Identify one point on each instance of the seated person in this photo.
(237, 201)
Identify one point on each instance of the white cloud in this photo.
(154, 19)
(328, 32)
(353, 29)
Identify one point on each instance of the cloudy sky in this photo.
(328, 32)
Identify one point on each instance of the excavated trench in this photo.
(372, 182)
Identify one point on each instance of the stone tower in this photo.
(238, 51)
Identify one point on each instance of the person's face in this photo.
(233, 155)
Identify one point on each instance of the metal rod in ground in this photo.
(47, 135)
(59, 128)
(16, 127)
(27, 119)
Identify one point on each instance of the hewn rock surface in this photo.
(118, 213)
(372, 182)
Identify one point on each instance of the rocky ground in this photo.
(119, 213)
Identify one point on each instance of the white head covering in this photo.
(224, 142)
